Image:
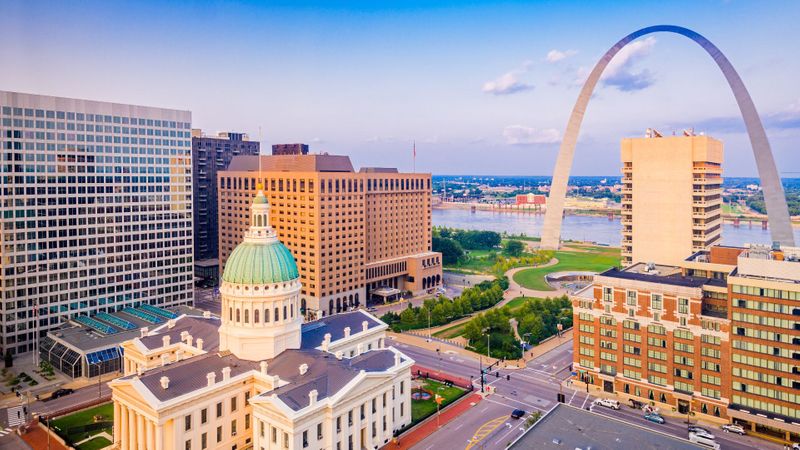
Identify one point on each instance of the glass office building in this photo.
(96, 211)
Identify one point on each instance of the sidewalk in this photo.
(429, 426)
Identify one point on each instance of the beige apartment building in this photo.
(357, 236)
(671, 197)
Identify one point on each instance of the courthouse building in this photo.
(258, 377)
(717, 335)
(95, 211)
(357, 236)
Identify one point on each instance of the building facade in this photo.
(209, 155)
(671, 197)
(716, 336)
(290, 149)
(96, 211)
(355, 235)
(265, 380)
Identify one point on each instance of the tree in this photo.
(513, 248)
(408, 318)
(451, 250)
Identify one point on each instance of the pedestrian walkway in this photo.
(5, 431)
(37, 438)
(430, 425)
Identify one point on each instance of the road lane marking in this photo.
(515, 401)
(485, 430)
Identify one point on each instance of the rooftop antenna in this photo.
(260, 184)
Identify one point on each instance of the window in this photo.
(204, 415)
(233, 404)
(219, 409)
(187, 422)
(608, 294)
(305, 438)
(683, 305)
(631, 298)
(233, 427)
(188, 444)
(204, 441)
(656, 302)
(319, 431)
(219, 434)
(339, 424)
(274, 435)
(247, 421)
(285, 440)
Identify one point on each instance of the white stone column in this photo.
(160, 437)
(140, 430)
(122, 426)
(149, 432)
(133, 444)
(116, 422)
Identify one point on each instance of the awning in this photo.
(385, 291)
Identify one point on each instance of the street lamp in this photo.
(488, 341)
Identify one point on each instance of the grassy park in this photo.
(579, 258)
(73, 427)
(420, 409)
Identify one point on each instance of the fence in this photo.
(424, 334)
(424, 372)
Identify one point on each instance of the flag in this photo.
(415, 149)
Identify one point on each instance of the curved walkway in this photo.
(516, 290)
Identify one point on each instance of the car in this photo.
(702, 432)
(698, 428)
(372, 309)
(61, 392)
(703, 441)
(733, 428)
(607, 402)
(517, 413)
(655, 418)
(795, 446)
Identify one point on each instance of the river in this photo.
(582, 228)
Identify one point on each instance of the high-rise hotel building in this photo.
(671, 197)
(355, 235)
(96, 211)
(717, 335)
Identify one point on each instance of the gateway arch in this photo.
(777, 212)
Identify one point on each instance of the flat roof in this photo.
(674, 280)
(291, 163)
(568, 427)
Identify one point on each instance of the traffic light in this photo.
(508, 377)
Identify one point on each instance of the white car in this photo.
(607, 402)
(702, 433)
(733, 428)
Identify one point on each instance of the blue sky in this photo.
(483, 87)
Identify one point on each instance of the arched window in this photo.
(663, 398)
(277, 315)
(356, 299)
(291, 310)
(338, 305)
(238, 315)
(255, 316)
(246, 316)
(284, 312)
(266, 315)
(230, 313)
(302, 306)
(330, 307)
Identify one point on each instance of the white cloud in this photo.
(557, 55)
(522, 135)
(508, 83)
(619, 71)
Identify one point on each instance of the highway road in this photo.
(489, 425)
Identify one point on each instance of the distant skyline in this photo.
(484, 88)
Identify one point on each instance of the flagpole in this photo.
(414, 158)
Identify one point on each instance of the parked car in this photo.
(733, 428)
(517, 413)
(655, 418)
(704, 441)
(61, 393)
(702, 432)
(372, 309)
(607, 402)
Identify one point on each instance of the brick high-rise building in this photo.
(671, 197)
(355, 235)
(96, 211)
(209, 155)
(717, 335)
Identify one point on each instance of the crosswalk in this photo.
(5, 431)
(16, 416)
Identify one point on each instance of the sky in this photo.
(483, 88)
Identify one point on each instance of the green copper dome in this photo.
(259, 263)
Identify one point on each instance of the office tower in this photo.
(96, 211)
(671, 197)
(290, 149)
(714, 336)
(355, 235)
(210, 154)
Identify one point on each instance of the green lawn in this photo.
(594, 259)
(451, 332)
(420, 409)
(95, 444)
(85, 417)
